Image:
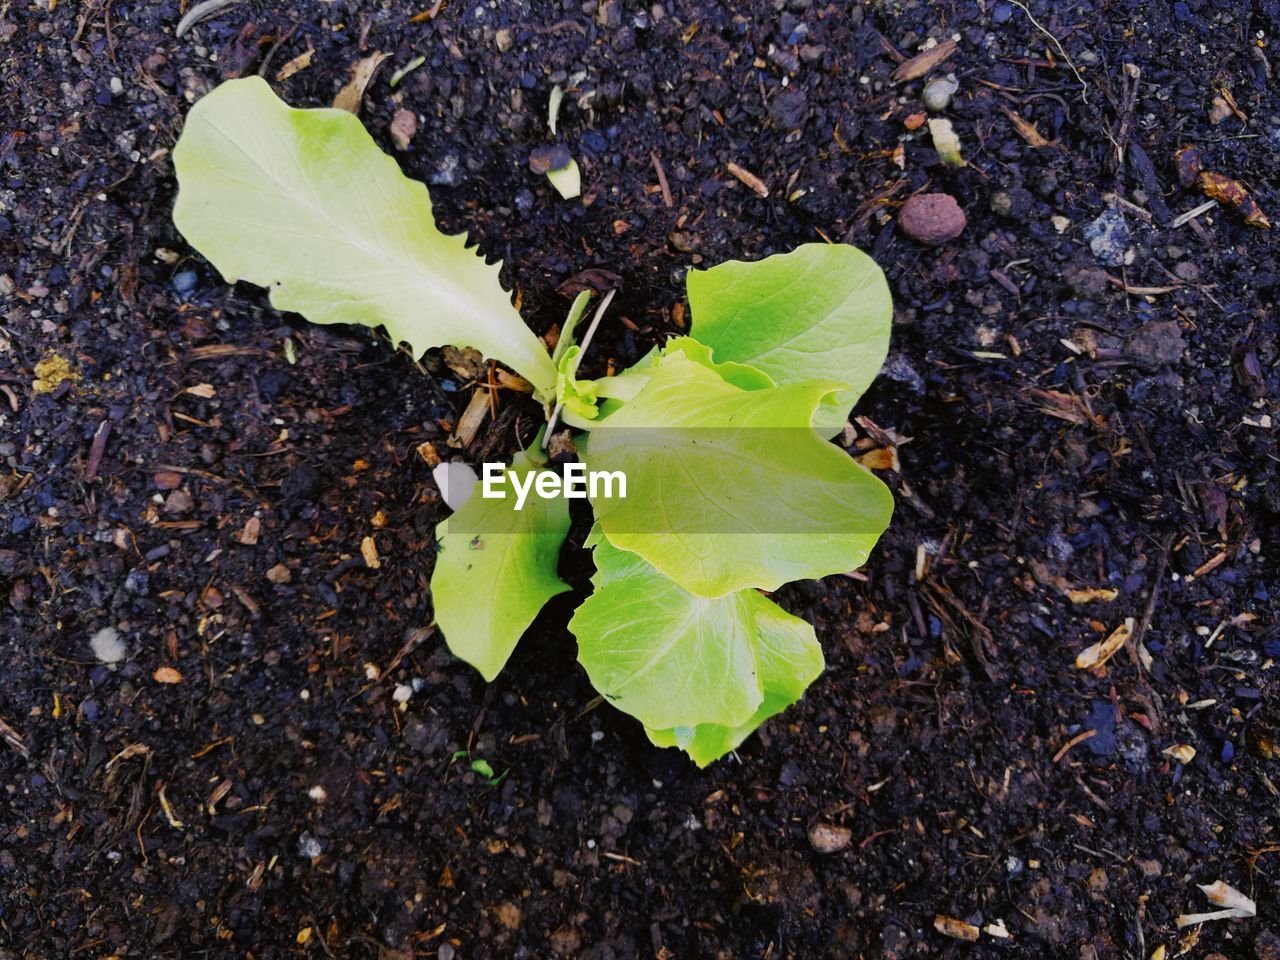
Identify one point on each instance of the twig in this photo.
(1084, 92)
(14, 739)
(586, 342)
(1149, 612)
(414, 640)
(667, 199)
(749, 179)
(96, 450)
(1191, 214)
(202, 11)
(1078, 738)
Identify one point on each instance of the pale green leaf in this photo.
(661, 654)
(658, 653)
(739, 374)
(788, 658)
(822, 311)
(577, 397)
(495, 570)
(304, 202)
(730, 488)
(570, 328)
(626, 385)
(567, 180)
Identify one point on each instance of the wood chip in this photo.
(1236, 904)
(249, 534)
(1182, 752)
(166, 675)
(957, 929)
(427, 451)
(510, 381)
(128, 753)
(369, 550)
(205, 391)
(1026, 129)
(427, 14)
(749, 178)
(1213, 563)
(1092, 595)
(922, 63)
(1099, 653)
(296, 65)
(351, 96)
(1232, 192)
(882, 458)
(471, 419)
(1225, 895)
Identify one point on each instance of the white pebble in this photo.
(309, 846)
(107, 645)
(402, 693)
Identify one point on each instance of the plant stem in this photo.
(586, 342)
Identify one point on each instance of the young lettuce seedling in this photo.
(731, 487)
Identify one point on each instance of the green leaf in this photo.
(626, 385)
(570, 328)
(788, 658)
(495, 570)
(577, 396)
(304, 202)
(739, 374)
(700, 673)
(822, 311)
(731, 488)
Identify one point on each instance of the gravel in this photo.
(932, 218)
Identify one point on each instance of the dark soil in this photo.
(1067, 434)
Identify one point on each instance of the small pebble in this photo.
(107, 645)
(1158, 344)
(932, 218)
(828, 838)
(447, 172)
(179, 501)
(185, 282)
(1013, 204)
(1108, 237)
(938, 93)
(309, 846)
(404, 127)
